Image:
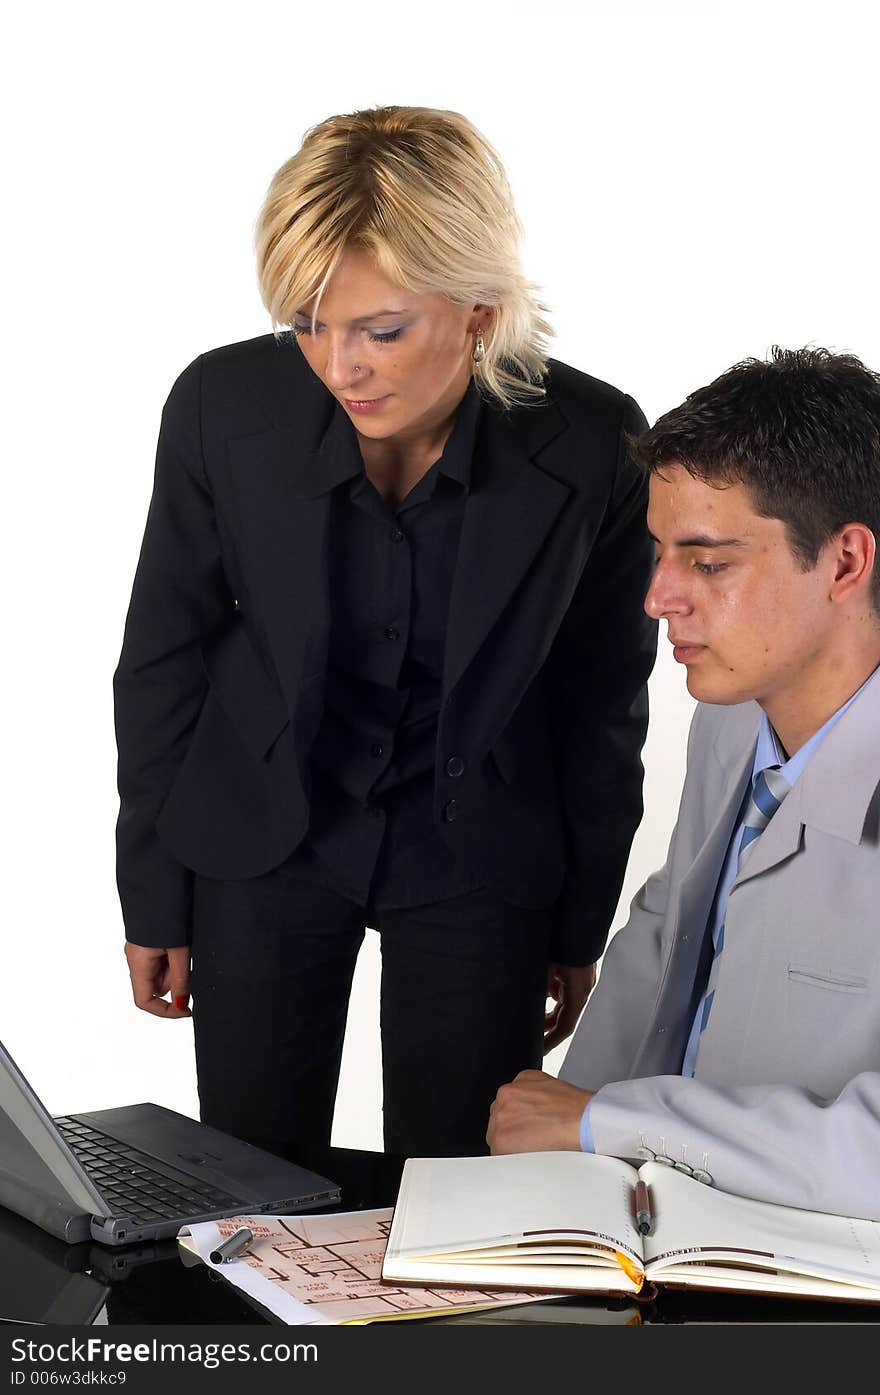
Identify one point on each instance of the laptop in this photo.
(135, 1174)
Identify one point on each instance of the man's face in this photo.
(744, 617)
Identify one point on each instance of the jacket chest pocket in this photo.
(807, 976)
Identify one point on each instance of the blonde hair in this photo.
(426, 194)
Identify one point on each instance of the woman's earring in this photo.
(479, 349)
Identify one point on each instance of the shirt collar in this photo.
(339, 458)
(769, 751)
(455, 462)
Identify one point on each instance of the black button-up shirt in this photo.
(371, 833)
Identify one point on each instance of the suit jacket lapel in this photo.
(511, 507)
(699, 886)
(283, 507)
(833, 794)
(839, 786)
(779, 840)
(693, 907)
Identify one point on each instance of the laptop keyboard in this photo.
(136, 1185)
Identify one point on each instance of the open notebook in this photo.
(566, 1222)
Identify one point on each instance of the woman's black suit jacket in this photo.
(220, 683)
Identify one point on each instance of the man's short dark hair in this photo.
(800, 430)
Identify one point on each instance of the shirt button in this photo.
(454, 767)
(449, 812)
(660, 1031)
(373, 811)
(396, 535)
(377, 750)
(391, 632)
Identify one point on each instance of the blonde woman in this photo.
(385, 659)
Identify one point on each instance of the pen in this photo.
(237, 1242)
(644, 1218)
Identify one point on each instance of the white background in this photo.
(697, 182)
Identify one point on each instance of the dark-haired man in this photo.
(735, 1031)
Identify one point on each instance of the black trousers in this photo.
(462, 1005)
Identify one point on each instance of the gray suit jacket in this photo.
(785, 1102)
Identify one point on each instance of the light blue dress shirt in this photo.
(768, 752)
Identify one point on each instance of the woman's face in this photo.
(397, 361)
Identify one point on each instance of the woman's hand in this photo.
(569, 985)
(155, 972)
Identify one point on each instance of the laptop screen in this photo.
(34, 1159)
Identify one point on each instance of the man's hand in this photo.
(536, 1113)
(155, 972)
(569, 985)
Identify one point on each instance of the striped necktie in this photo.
(768, 791)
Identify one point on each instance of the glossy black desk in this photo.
(43, 1280)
